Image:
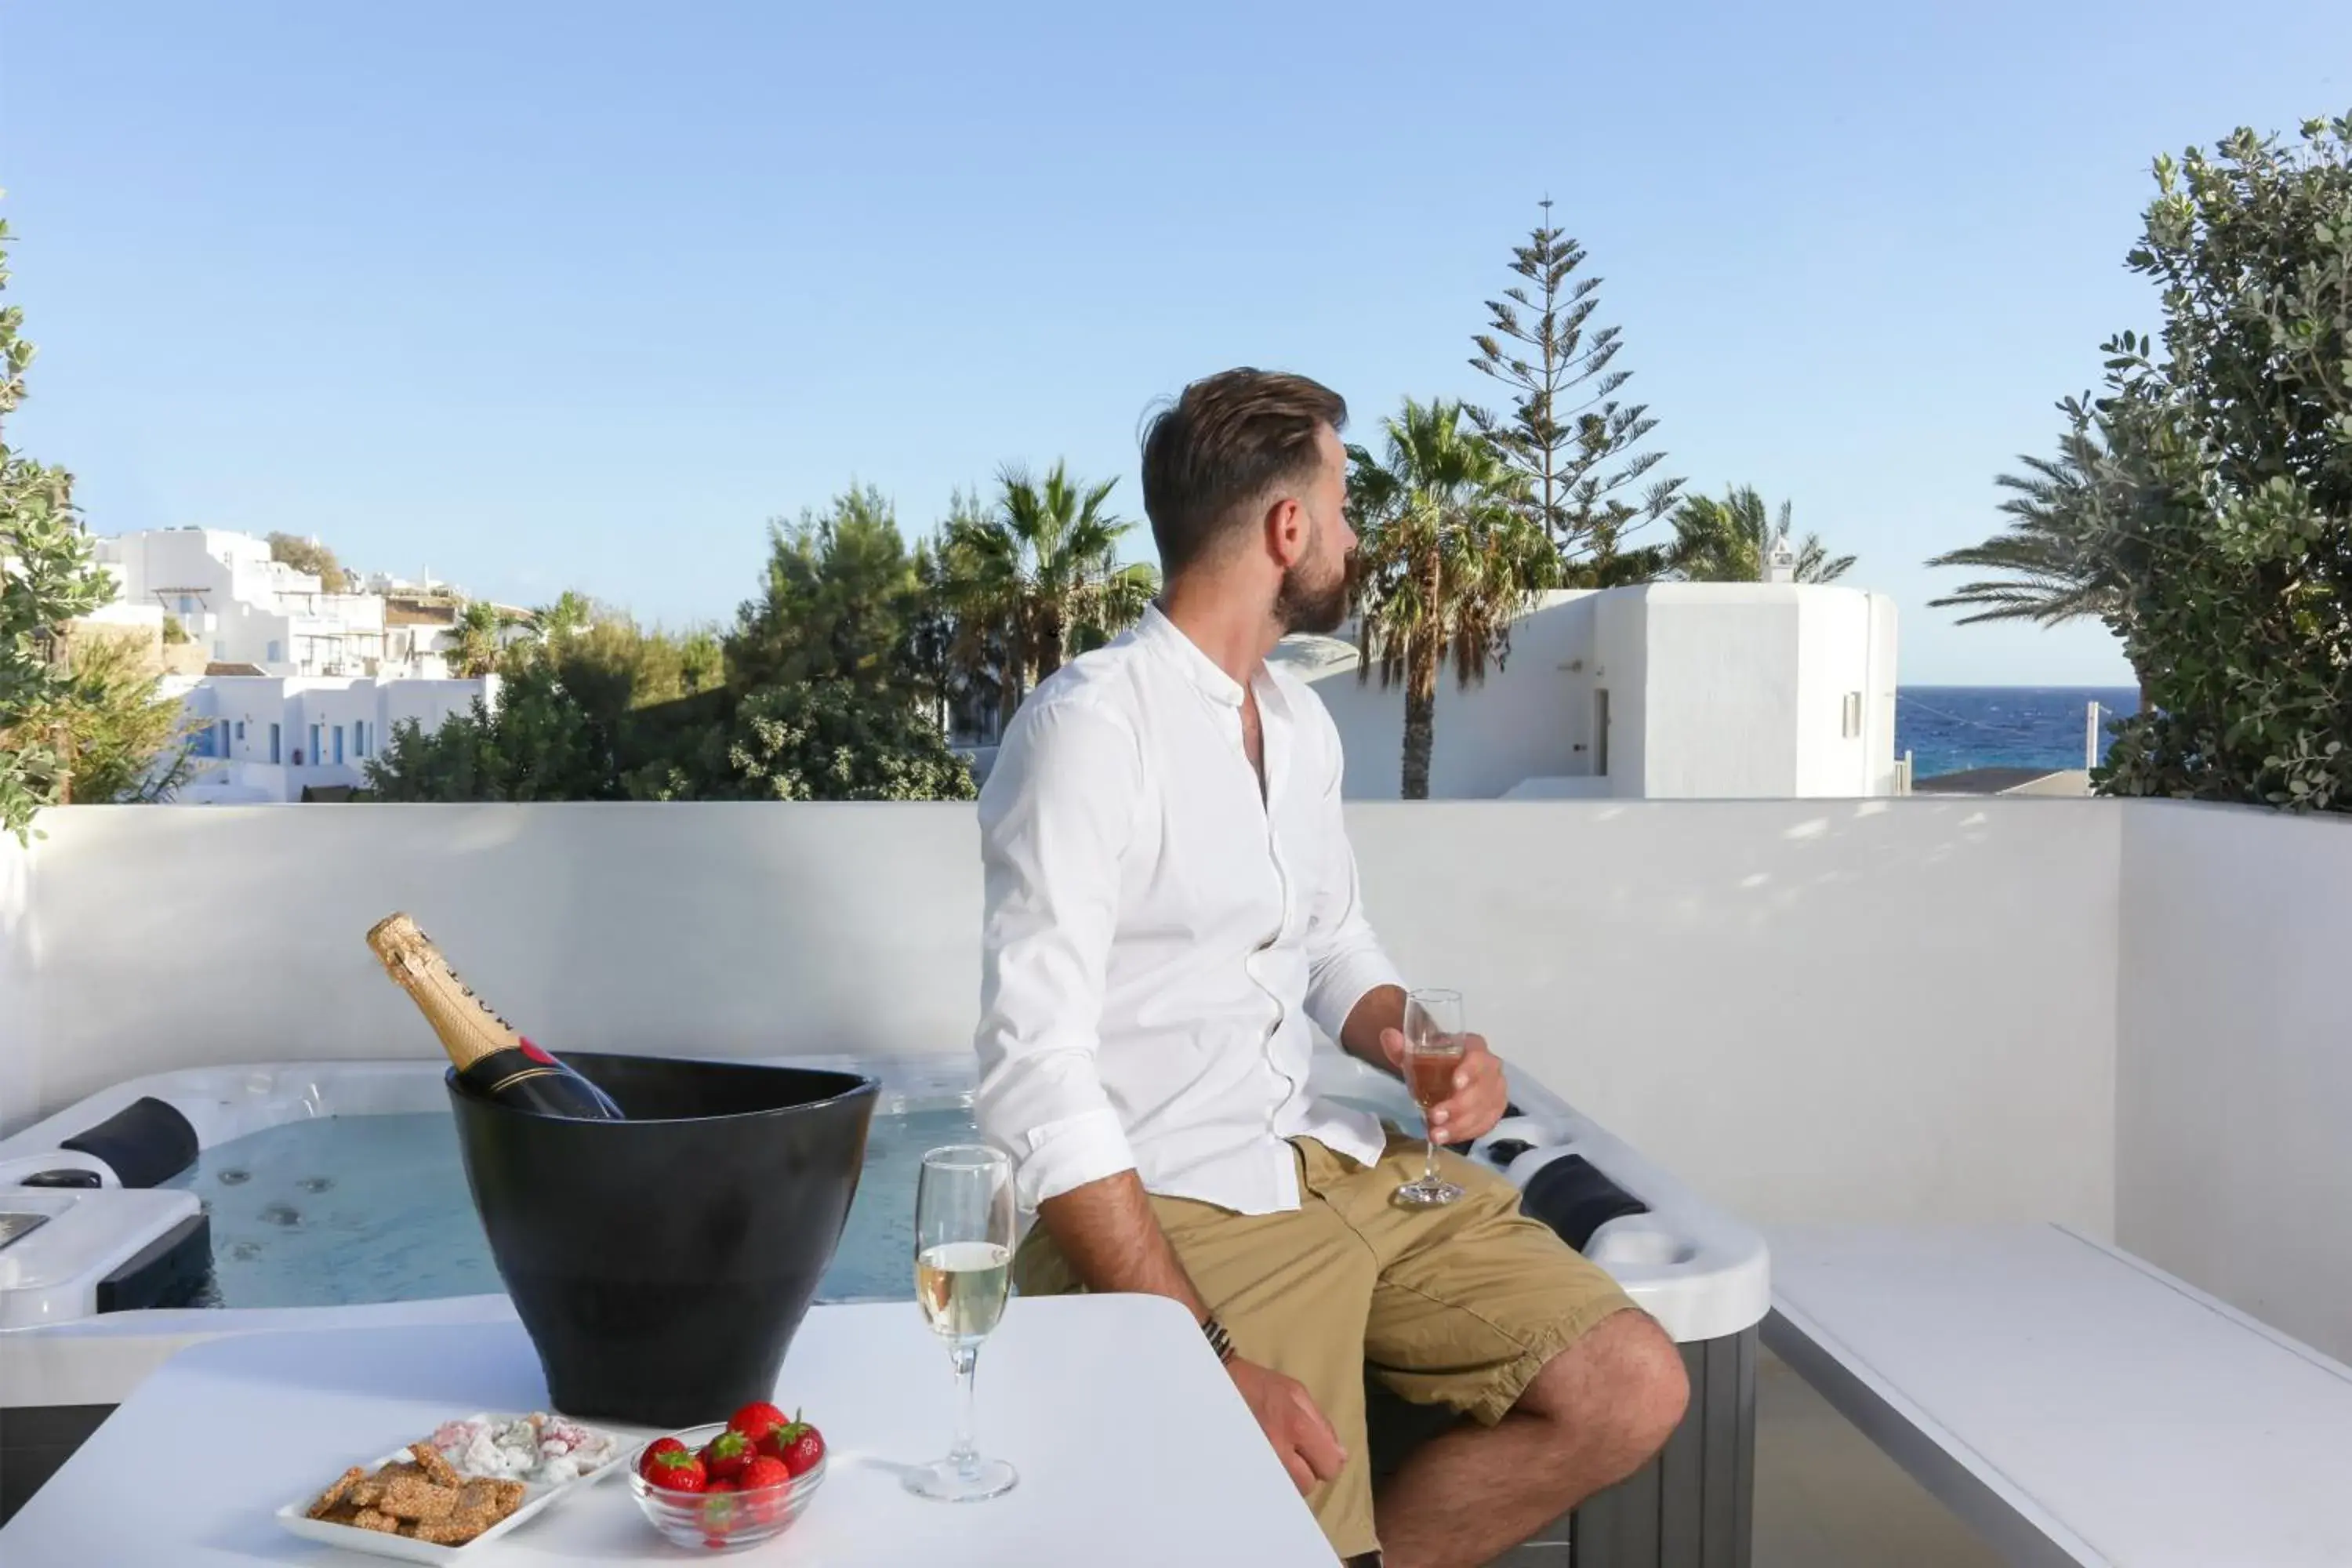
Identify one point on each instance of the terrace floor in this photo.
(1826, 1498)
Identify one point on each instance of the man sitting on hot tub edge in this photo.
(1171, 897)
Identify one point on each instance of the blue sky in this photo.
(541, 296)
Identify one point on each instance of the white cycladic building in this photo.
(268, 738)
(242, 607)
(121, 614)
(1666, 691)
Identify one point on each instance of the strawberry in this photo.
(719, 1513)
(765, 1470)
(767, 1485)
(653, 1451)
(800, 1446)
(676, 1469)
(726, 1455)
(756, 1420)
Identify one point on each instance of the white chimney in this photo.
(1781, 562)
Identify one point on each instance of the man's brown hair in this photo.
(1228, 440)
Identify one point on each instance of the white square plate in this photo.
(295, 1515)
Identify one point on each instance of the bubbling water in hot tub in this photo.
(340, 1210)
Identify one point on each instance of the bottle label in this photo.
(492, 1058)
(495, 1089)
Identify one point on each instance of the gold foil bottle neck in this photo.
(464, 1024)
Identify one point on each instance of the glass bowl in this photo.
(721, 1521)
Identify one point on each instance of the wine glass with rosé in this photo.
(1433, 1042)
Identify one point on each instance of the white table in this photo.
(1133, 1447)
(2075, 1405)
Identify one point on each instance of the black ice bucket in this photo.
(661, 1265)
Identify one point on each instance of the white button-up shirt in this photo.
(1158, 935)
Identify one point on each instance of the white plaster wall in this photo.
(251, 602)
(743, 929)
(1883, 681)
(234, 616)
(200, 700)
(1868, 1011)
(2234, 1095)
(1621, 664)
(258, 579)
(295, 704)
(1720, 710)
(1830, 1011)
(245, 634)
(338, 703)
(1832, 659)
(352, 612)
(238, 784)
(258, 701)
(167, 559)
(1572, 787)
(430, 702)
(330, 701)
(1716, 691)
(1532, 717)
(20, 1060)
(147, 617)
(305, 751)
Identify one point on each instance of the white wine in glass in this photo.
(961, 1286)
(963, 1270)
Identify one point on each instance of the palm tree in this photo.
(571, 611)
(2053, 562)
(1448, 556)
(1731, 539)
(479, 624)
(1036, 577)
(1621, 568)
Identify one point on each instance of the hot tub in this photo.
(332, 1193)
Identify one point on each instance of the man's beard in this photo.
(1301, 606)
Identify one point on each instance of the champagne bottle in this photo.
(492, 1060)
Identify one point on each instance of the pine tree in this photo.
(1575, 445)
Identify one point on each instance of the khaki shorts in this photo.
(1460, 1305)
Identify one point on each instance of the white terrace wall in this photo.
(1890, 1010)
(1823, 1011)
(164, 937)
(2234, 1095)
(21, 1069)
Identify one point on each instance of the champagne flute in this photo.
(1433, 1051)
(963, 1267)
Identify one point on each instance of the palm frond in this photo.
(1447, 554)
(1036, 577)
(1732, 539)
(2055, 560)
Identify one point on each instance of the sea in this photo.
(1950, 728)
